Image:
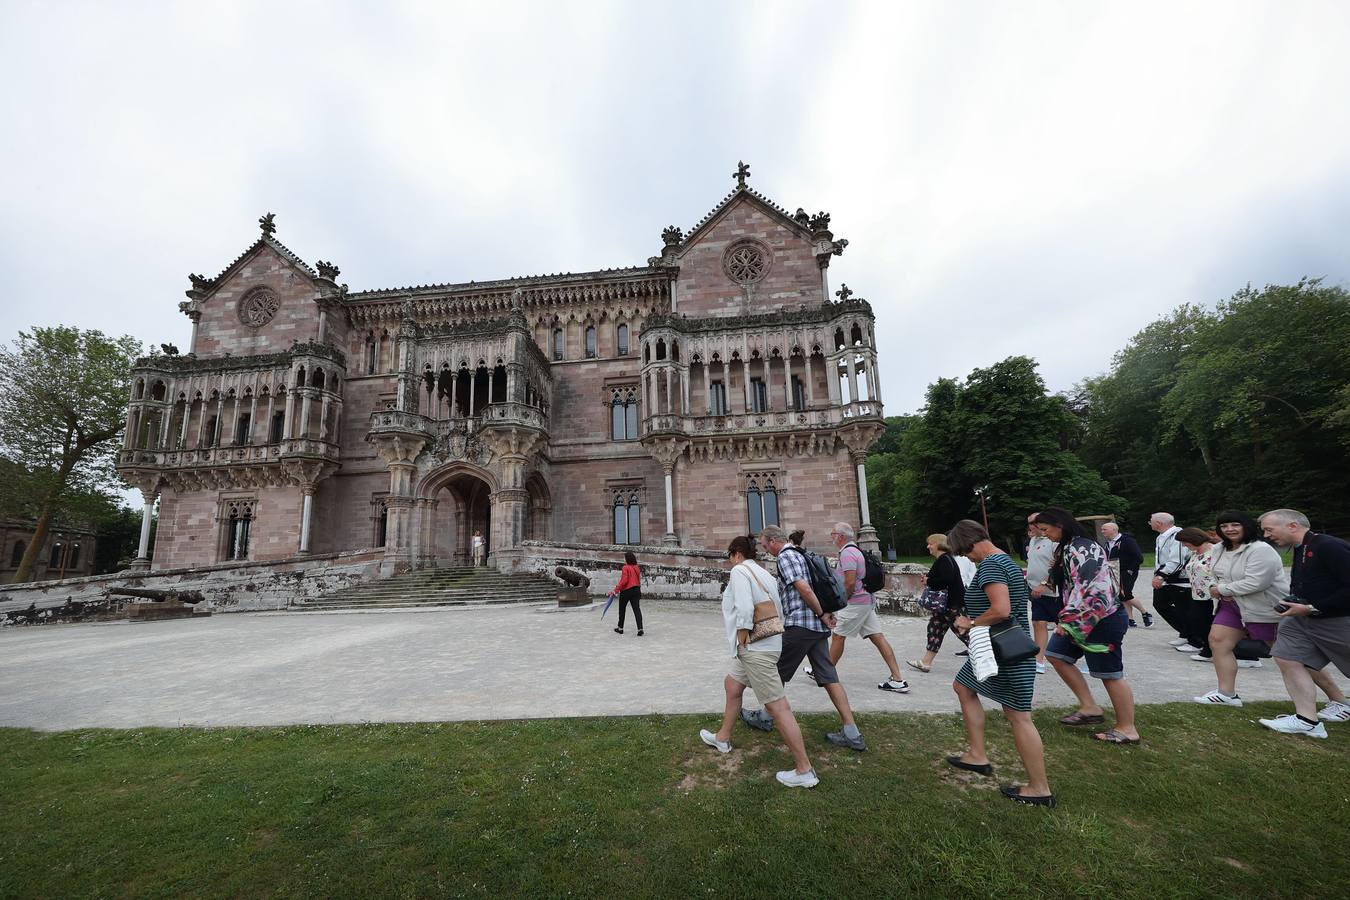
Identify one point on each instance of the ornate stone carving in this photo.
(742, 172)
(459, 444)
(268, 223)
(199, 283)
(746, 262)
(802, 217)
(672, 236)
(258, 308)
(327, 270)
(843, 293)
(820, 222)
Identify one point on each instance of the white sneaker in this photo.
(711, 740)
(1295, 725)
(1219, 698)
(1249, 663)
(1040, 668)
(895, 687)
(793, 778)
(1198, 657)
(1178, 642)
(1184, 647)
(1335, 711)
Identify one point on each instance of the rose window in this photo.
(746, 263)
(258, 308)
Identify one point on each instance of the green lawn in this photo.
(1210, 805)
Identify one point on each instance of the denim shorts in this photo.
(1046, 607)
(1110, 631)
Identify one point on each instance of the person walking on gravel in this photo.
(859, 616)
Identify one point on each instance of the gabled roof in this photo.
(266, 240)
(773, 210)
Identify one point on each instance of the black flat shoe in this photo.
(639, 632)
(1011, 791)
(957, 762)
(618, 631)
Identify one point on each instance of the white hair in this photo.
(1106, 525)
(845, 530)
(1163, 518)
(1287, 517)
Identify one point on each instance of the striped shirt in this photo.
(792, 568)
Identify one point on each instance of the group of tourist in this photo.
(1225, 593)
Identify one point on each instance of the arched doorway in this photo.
(460, 498)
(539, 515)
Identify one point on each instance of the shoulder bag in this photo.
(766, 618)
(1011, 644)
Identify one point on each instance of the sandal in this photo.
(1081, 718)
(915, 664)
(1114, 737)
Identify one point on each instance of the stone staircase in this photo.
(436, 587)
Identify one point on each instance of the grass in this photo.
(1210, 805)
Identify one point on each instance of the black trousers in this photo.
(631, 596)
(1171, 602)
(1199, 617)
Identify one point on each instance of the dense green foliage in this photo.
(638, 807)
(999, 429)
(1243, 406)
(63, 402)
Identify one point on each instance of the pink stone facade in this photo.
(680, 403)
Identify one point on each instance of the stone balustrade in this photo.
(241, 454)
(773, 421)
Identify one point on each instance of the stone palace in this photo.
(717, 388)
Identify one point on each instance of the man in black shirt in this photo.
(1314, 621)
(1123, 550)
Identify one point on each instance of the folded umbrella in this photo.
(608, 603)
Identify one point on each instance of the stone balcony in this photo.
(762, 423)
(228, 455)
(395, 421)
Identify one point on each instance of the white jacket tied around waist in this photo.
(749, 584)
(1254, 576)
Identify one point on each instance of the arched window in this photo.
(316, 380)
(158, 392)
(761, 504)
(237, 533)
(74, 561)
(382, 526)
(623, 340)
(627, 519)
(623, 415)
(278, 423)
(590, 342)
(370, 355)
(212, 431)
(661, 349)
(140, 389)
(242, 427)
(16, 555)
(55, 561)
(857, 335)
(557, 343)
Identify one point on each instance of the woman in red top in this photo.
(630, 591)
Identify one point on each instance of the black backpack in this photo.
(874, 576)
(822, 581)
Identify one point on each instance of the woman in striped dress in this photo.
(998, 591)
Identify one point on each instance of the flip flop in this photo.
(1114, 737)
(1079, 718)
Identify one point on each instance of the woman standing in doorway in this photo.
(479, 545)
(630, 591)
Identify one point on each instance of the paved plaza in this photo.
(464, 664)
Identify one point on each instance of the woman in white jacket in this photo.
(1248, 580)
(755, 665)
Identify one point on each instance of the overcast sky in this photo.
(1026, 178)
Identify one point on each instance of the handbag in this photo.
(933, 599)
(768, 622)
(1011, 644)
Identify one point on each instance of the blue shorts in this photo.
(1046, 607)
(1106, 666)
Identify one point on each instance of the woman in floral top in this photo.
(1093, 624)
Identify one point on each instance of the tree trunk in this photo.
(35, 545)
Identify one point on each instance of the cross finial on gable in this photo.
(843, 293)
(742, 173)
(268, 224)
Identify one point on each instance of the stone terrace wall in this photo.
(230, 587)
(684, 574)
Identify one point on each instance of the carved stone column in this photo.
(858, 440)
(398, 438)
(306, 474)
(149, 488)
(513, 447)
(667, 453)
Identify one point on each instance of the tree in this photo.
(63, 396)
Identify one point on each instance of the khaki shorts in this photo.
(857, 620)
(758, 670)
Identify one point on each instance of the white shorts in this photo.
(857, 620)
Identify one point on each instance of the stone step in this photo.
(436, 587)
